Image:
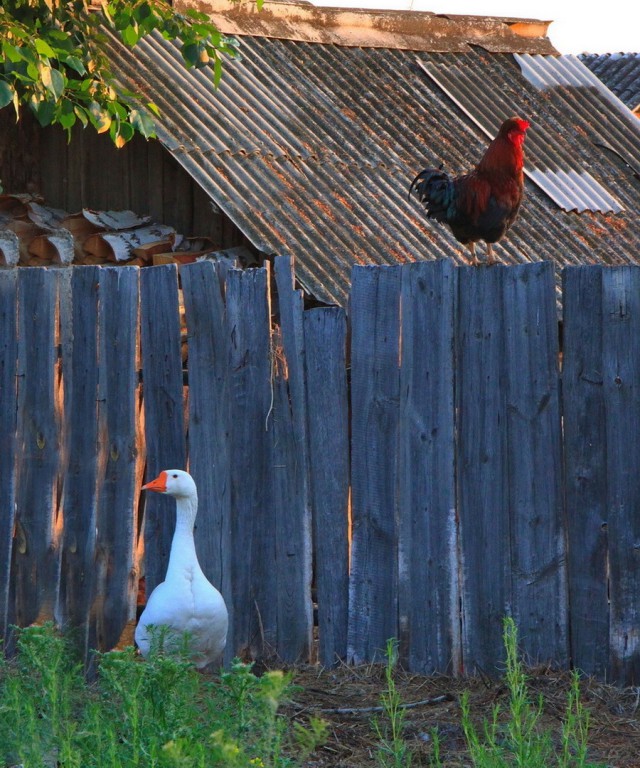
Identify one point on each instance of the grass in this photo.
(508, 739)
(161, 712)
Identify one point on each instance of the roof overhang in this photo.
(356, 27)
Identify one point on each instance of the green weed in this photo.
(160, 713)
(393, 751)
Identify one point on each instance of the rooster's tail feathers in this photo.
(435, 190)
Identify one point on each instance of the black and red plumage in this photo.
(482, 204)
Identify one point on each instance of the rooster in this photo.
(482, 204)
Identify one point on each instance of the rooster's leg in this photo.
(491, 258)
(475, 262)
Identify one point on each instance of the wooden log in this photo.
(36, 547)
(585, 458)
(8, 447)
(429, 614)
(325, 332)
(375, 365)
(163, 409)
(254, 629)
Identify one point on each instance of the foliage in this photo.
(54, 63)
(393, 751)
(160, 712)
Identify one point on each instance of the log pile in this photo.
(35, 235)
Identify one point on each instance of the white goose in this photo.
(185, 602)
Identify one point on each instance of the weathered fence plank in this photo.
(163, 408)
(375, 361)
(209, 424)
(621, 373)
(482, 467)
(254, 620)
(585, 453)
(289, 475)
(428, 569)
(36, 547)
(116, 575)
(537, 556)
(79, 329)
(325, 332)
(8, 410)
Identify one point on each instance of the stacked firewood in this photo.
(35, 235)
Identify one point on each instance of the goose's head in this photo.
(173, 482)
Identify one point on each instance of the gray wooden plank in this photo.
(8, 395)
(290, 481)
(163, 408)
(254, 618)
(375, 324)
(208, 436)
(325, 331)
(537, 557)
(621, 370)
(35, 556)
(116, 577)
(584, 414)
(482, 466)
(429, 617)
(79, 328)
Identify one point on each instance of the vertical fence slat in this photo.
(428, 569)
(375, 323)
(534, 462)
(482, 466)
(35, 569)
(117, 518)
(289, 476)
(209, 421)
(621, 368)
(79, 326)
(325, 332)
(585, 469)
(8, 410)
(163, 408)
(250, 400)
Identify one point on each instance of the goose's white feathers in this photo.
(185, 602)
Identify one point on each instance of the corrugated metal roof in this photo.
(618, 71)
(310, 148)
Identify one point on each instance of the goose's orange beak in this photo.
(159, 484)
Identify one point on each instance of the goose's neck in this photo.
(183, 549)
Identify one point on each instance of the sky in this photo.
(579, 26)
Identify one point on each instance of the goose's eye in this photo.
(176, 476)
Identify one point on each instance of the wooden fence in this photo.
(422, 464)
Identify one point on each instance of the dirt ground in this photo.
(344, 697)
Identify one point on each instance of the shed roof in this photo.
(309, 146)
(618, 71)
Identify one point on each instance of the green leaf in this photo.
(190, 54)
(67, 120)
(45, 111)
(6, 93)
(143, 123)
(130, 36)
(99, 117)
(12, 53)
(53, 81)
(81, 114)
(76, 64)
(44, 49)
(217, 71)
(153, 108)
